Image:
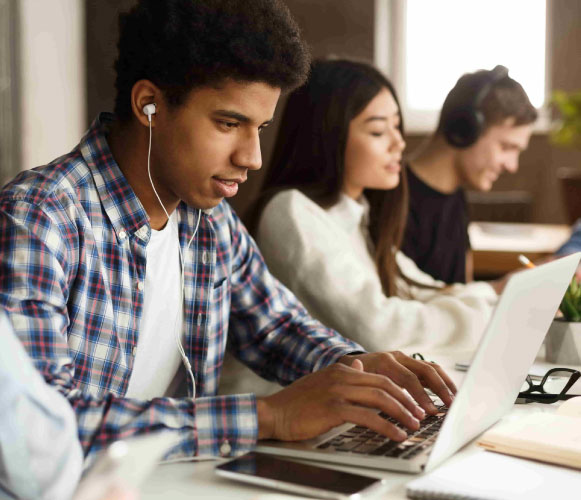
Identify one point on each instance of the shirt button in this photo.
(134, 351)
(204, 257)
(122, 235)
(199, 319)
(140, 286)
(225, 448)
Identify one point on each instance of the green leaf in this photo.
(568, 130)
(571, 303)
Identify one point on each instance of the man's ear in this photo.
(145, 92)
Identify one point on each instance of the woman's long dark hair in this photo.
(309, 153)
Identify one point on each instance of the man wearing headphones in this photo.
(485, 123)
(125, 272)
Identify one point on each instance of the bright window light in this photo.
(447, 38)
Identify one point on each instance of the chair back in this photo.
(570, 179)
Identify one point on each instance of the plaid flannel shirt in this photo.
(72, 260)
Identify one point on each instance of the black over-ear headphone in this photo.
(463, 125)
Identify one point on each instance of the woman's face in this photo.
(374, 147)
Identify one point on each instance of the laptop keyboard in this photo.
(359, 439)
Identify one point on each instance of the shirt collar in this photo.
(349, 213)
(125, 211)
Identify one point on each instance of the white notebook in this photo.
(492, 476)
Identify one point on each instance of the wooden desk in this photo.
(496, 245)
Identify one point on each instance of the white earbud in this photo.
(149, 109)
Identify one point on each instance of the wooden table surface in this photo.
(497, 245)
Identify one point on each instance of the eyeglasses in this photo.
(553, 386)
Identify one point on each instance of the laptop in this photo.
(500, 364)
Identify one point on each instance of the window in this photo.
(9, 154)
(426, 45)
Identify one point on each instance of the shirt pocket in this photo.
(217, 333)
(219, 309)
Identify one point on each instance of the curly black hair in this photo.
(183, 44)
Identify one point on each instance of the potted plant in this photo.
(563, 342)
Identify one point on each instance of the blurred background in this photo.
(56, 74)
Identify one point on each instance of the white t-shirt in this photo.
(157, 359)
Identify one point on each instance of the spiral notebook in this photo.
(491, 476)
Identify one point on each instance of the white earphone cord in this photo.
(185, 359)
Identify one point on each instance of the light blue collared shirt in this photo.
(40, 454)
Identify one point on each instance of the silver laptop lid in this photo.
(506, 351)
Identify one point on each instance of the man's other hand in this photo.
(352, 390)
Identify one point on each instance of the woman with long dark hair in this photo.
(332, 210)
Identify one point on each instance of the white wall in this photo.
(52, 78)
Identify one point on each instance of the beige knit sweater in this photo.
(324, 257)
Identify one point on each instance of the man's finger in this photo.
(381, 400)
(368, 418)
(366, 379)
(393, 366)
(431, 377)
(357, 365)
(447, 379)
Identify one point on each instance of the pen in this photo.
(525, 262)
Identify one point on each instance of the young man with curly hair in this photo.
(485, 123)
(124, 271)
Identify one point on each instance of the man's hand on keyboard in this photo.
(411, 374)
(351, 391)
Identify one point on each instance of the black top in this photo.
(436, 234)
